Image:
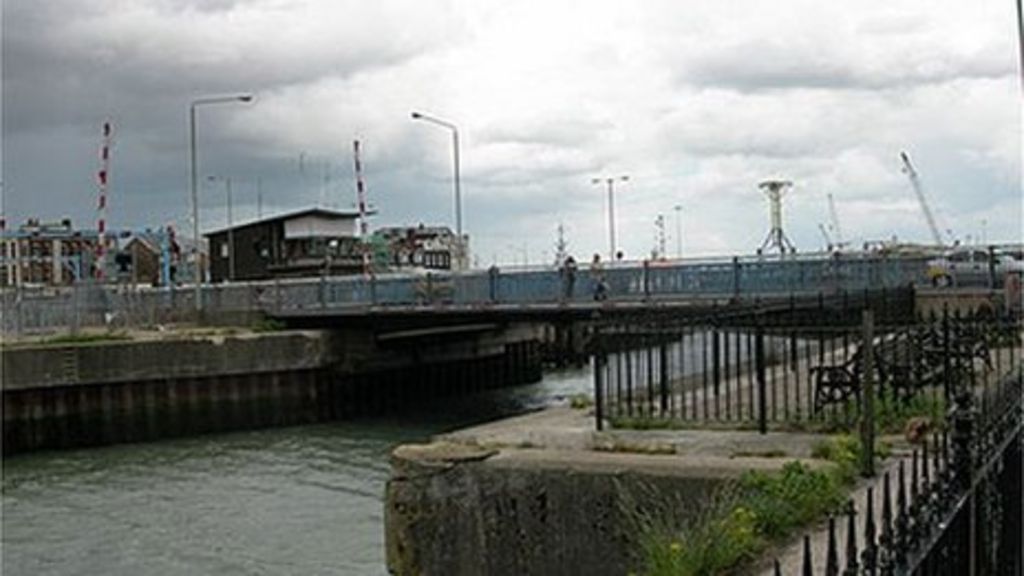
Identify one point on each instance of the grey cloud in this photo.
(557, 132)
(761, 64)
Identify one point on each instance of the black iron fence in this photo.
(794, 364)
(953, 507)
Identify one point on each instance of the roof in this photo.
(327, 213)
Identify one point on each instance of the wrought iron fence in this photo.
(793, 365)
(952, 508)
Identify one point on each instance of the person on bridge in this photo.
(597, 275)
(568, 278)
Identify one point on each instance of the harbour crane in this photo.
(837, 232)
(824, 234)
(915, 182)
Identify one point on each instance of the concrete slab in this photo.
(568, 429)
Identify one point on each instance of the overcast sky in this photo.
(697, 101)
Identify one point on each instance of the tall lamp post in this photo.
(455, 159)
(611, 210)
(194, 169)
(679, 230)
(231, 229)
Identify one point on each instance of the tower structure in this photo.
(102, 180)
(774, 190)
(361, 199)
(561, 246)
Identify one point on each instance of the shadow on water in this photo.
(299, 500)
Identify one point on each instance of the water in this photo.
(301, 500)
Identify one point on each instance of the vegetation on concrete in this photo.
(745, 517)
(86, 338)
(648, 423)
(268, 325)
(642, 447)
(772, 453)
(581, 401)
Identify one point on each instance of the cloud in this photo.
(696, 104)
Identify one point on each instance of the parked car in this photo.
(970, 267)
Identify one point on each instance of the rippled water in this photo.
(302, 500)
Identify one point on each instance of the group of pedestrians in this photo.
(599, 286)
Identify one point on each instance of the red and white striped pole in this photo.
(361, 199)
(103, 178)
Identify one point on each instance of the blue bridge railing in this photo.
(85, 305)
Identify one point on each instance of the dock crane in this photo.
(837, 232)
(915, 182)
(824, 234)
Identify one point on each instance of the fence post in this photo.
(600, 359)
(647, 280)
(736, 277)
(947, 364)
(762, 385)
(991, 267)
(716, 374)
(492, 283)
(962, 438)
(867, 421)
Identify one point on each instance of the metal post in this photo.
(736, 277)
(458, 191)
(762, 384)
(611, 220)
(647, 280)
(231, 236)
(600, 360)
(947, 365)
(664, 376)
(991, 267)
(197, 274)
(867, 423)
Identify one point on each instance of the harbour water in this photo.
(300, 500)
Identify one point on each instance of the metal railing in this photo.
(26, 310)
(792, 365)
(952, 508)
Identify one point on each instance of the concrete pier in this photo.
(545, 494)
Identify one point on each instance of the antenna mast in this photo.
(561, 246)
(774, 190)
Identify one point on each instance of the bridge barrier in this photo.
(48, 309)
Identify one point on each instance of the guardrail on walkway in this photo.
(90, 305)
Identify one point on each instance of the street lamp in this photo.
(194, 169)
(231, 229)
(611, 210)
(679, 230)
(455, 155)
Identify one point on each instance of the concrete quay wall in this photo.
(473, 512)
(104, 393)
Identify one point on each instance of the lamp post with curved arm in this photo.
(194, 171)
(455, 160)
